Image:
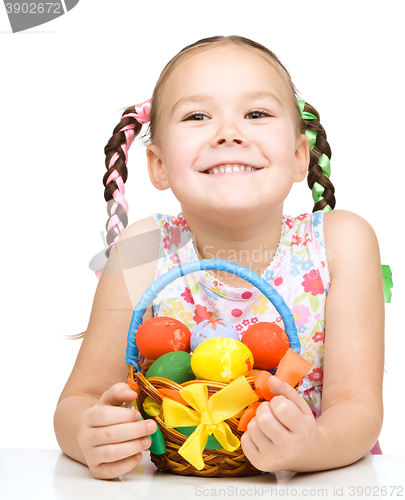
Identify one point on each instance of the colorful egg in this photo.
(268, 343)
(221, 359)
(174, 366)
(210, 328)
(160, 335)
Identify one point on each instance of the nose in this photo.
(237, 141)
(229, 134)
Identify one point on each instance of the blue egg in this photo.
(209, 328)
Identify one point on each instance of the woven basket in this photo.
(219, 463)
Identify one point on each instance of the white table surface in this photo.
(49, 474)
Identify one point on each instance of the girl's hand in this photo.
(112, 437)
(283, 433)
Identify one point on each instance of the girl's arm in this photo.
(352, 406)
(284, 435)
(90, 424)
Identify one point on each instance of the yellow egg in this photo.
(221, 359)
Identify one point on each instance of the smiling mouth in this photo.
(228, 169)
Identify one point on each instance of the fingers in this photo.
(110, 453)
(277, 387)
(266, 427)
(117, 394)
(282, 428)
(266, 438)
(124, 432)
(119, 454)
(287, 414)
(112, 437)
(258, 447)
(115, 469)
(249, 446)
(114, 449)
(111, 415)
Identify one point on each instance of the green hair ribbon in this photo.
(387, 282)
(323, 162)
(317, 192)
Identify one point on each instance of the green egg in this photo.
(175, 366)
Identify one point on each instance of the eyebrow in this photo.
(260, 94)
(191, 98)
(253, 94)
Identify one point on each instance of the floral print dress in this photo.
(298, 271)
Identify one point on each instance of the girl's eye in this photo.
(196, 116)
(257, 113)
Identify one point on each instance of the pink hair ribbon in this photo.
(142, 112)
(99, 272)
(141, 115)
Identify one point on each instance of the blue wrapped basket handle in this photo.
(205, 265)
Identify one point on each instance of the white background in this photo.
(62, 87)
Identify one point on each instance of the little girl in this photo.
(229, 137)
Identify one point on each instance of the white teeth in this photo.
(229, 169)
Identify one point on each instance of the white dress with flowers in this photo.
(298, 271)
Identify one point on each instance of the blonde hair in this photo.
(206, 44)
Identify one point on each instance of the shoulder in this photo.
(346, 226)
(344, 218)
(155, 222)
(348, 237)
(136, 254)
(137, 245)
(139, 227)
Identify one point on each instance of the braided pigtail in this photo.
(319, 163)
(116, 152)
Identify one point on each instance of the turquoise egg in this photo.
(210, 328)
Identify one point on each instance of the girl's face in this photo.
(226, 107)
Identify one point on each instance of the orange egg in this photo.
(160, 335)
(268, 343)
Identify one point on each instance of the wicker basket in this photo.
(220, 463)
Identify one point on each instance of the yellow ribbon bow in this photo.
(208, 416)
